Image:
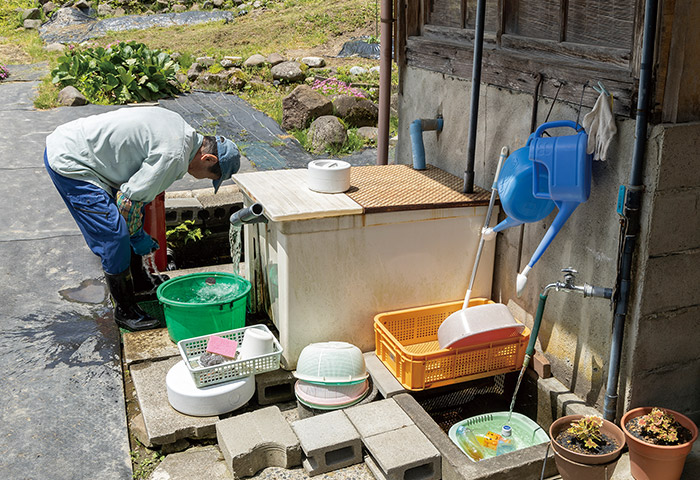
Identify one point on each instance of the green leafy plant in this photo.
(122, 73)
(661, 425)
(587, 431)
(183, 234)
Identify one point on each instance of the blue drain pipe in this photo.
(416, 129)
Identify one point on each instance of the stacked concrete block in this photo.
(398, 449)
(274, 387)
(256, 440)
(383, 379)
(329, 441)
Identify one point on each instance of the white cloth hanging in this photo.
(600, 126)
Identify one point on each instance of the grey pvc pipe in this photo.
(251, 214)
(476, 84)
(632, 206)
(385, 43)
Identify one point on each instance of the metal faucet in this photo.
(568, 285)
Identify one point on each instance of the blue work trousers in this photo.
(98, 218)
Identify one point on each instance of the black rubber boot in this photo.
(144, 286)
(127, 313)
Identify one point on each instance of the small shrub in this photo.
(121, 73)
(587, 431)
(183, 234)
(661, 425)
(4, 73)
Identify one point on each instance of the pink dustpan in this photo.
(479, 324)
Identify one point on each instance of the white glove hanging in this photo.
(600, 126)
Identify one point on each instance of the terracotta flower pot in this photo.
(657, 462)
(581, 466)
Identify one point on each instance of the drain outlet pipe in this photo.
(629, 226)
(252, 214)
(417, 128)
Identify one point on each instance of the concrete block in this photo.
(227, 195)
(670, 288)
(329, 441)
(674, 340)
(198, 462)
(164, 424)
(148, 345)
(274, 387)
(386, 382)
(555, 400)
(179, 203)
(378, 417)
(675, 386)
(679, 156)
(404, 453)
(256, 440)
(671, 232)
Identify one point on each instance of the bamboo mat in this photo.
(386, 188)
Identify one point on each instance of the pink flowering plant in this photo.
(332, 87)
(4, 72)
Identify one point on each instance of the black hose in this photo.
(633, 201)
(476, 84)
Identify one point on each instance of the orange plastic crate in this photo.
(406, 342)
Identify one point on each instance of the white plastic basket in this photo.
(192, 348)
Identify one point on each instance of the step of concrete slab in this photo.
(148, 345)
(256, 440)
(163, 424)
(195, 463)
(404, 454)
(329, 441)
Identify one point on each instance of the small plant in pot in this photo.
(586, 447)
(659, 441)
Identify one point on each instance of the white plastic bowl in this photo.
(331, 363)
(185, 397)
(328, 176)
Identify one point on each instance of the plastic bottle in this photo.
(506, 443)
(469, 443)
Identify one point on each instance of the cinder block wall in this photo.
(575, 333)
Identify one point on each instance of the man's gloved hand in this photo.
(142, 243)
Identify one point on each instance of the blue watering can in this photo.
(548, 171)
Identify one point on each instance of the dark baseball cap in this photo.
(229, 160)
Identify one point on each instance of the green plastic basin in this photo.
(203, 303)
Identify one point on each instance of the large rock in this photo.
(105, 10)
(71, 97)
(356, 112)
(32, 24)
(288, 72)
(178, 8)
(31, 14)
(254, 61)
(194, 71)
(55, 47)
(205, 61)
(368, 133)
(303, 105)
(48, 7)
(313, 62)
(82, 5)
(327, 132)
(213, 81)
(275, 59)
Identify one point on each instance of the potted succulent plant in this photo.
(659, 440)
(586, 447)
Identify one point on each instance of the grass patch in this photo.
(282, 26)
